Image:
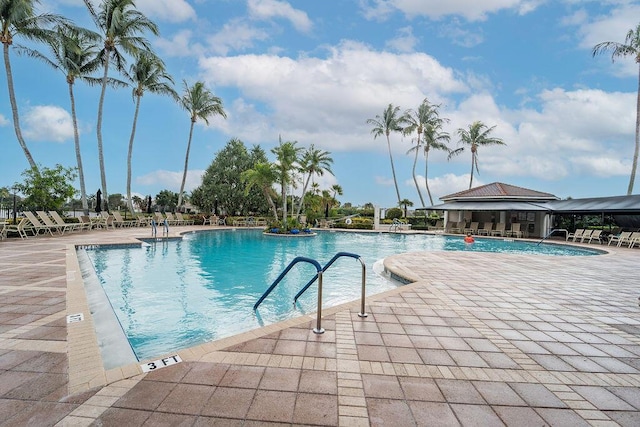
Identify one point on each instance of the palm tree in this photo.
(337, 190)
(147, 74)
(384, 125)
(434, 139)
(313, 162)
(404, 203)
(287, 155)
(201, 104)
(418, 121)
(477, 135)
(18, 18)
(74, 53)
(120, 26)
(630, 47)
(263, 175)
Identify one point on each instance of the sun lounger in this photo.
(473, 228)
(182, 220)
(46, 219)
(585, 235)
(72, 226)
(37, 225)
(486, 229)
(21, 228)
(499, 230)
(576, 235)
(515, 230)
(595, 235)
(619, 239)
(211, 220)
(118, 221)
(634, 239)
(438, 227)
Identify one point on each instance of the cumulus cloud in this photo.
(236, 35)
(180, 45)
(48, 123)
(171, 180)
(268, 9)
(3, 120)
(405, 41)
(315, 99)
(437, 9)
(167, 10)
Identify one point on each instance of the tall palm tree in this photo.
(147, 74)
(384, 125)
(475, 136)
(416, 122)
(74, 52)
(313, 162)
(337, 190)
(287, 155)
(19, 18)
(120, 26)
(201, 104)
(630, 47)
(403, 204)
(434, 138)
(263, 175)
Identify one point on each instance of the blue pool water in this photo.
(179, 293)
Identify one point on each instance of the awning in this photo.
(490, 206)
(616, 204)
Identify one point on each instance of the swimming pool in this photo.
(174, 294)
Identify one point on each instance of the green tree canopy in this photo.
(47, 189)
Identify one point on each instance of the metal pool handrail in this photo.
(566, 233)
(327, 265)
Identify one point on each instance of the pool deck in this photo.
(478, 339)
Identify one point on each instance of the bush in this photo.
(394, 213)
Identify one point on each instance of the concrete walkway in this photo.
(478, 339)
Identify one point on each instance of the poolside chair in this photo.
(46, 219)
(37, 225)
(595, 235)
(182, 220)
(576, 235)
(619, 239)
(473, 228)
(585, 235)
(72, 226)
(499, 230)
(171, 220)
(486, 229)
(439, 226)
(515, 230)
(634, 239)
(118, 221)
(21, 228)
(3, 230)
(211, 220)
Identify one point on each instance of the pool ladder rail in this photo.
(154, 228)
(565, 231)
(318, 276)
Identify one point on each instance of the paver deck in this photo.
(477, 339)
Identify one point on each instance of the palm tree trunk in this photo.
(283, 191)
(473, 158)
(426, 172)
(415, 180)
(129, 154)
(76, 139)
(271, 203)
(304, 191)
(634, 164)
(103, 176)
(14, 108)
(393, 170)
(186, 164)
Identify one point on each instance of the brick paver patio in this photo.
(478, 339)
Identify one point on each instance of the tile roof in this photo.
(499, 190)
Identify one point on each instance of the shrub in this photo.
(393, 213)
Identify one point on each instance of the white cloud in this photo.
(437, 9)
(448, 184)
(180, 45)
(267, 9)
(326, 101)
(235, 35)
(171, 180)
(48, 123)
(167, 10)
(405, 41)
(3, 120)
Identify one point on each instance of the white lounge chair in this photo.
(595, 235)
(621, 238)
(576, 235)
(37, 225)
(500, 229)
(515, 230)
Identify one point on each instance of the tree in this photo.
(74, 53)
(384, 125)
(475, 136)
(630, 47)
(148, 74)
(404, 203)
(262, 175)
(425, 121)
(167, 200)
(434, 138)
(313, 162)
(222, 181)
(47, 189)
(287, 155)
(19, 18)
(120, 26)
(201, 104)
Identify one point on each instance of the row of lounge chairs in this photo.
(629, 238)
(487, 228)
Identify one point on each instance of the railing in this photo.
(154, 228)
(318, 329)
(327, 265)
(566, 233)
(399, 225)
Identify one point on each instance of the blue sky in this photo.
(315, 71)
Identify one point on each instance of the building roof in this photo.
(615, 204)
(499, 191)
